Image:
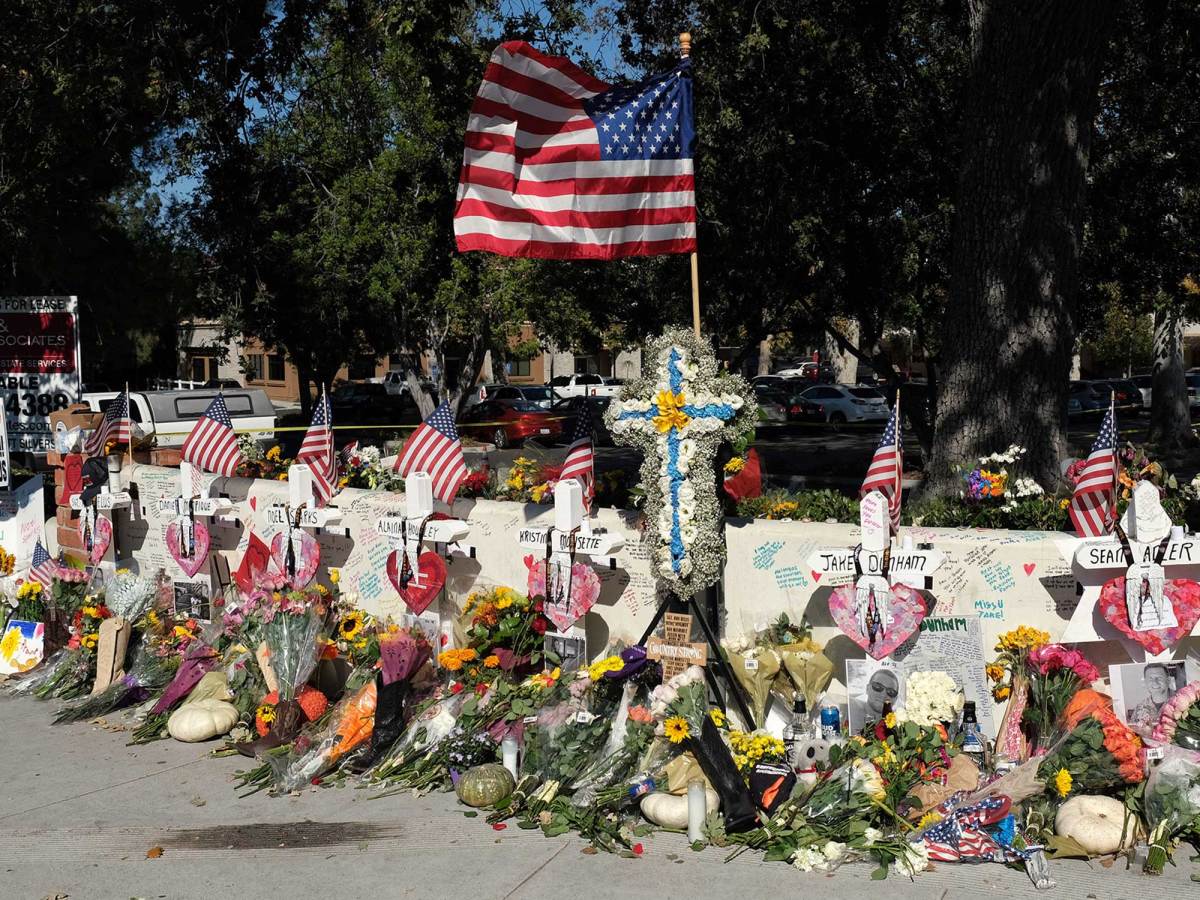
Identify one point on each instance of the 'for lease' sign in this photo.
(39, 366)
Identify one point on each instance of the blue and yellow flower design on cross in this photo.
(679, 416)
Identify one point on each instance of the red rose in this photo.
(539, 625)
(456, 688)
(638, 849)
(481, 689)
(539, 605)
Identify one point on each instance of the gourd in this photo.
(201, 720)
(1099, 825)
(671, 811)
(484, 785)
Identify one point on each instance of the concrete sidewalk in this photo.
(80, 811)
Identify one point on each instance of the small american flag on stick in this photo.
(886, 472)
(580, 461)
(1093, 508)
(435, 449)
(212, 445)
(43, 567)
(317, 450)
(561, 165)
(115, 426)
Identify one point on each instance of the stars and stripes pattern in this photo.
(115, 426)
(212, 445)
(435, 448)
(961, 835)
(580, 461)
(886, 472)
(316, 451)
(560, 165)
(1093, 508)
(43, 567)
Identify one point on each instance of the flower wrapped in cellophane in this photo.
(1099, 752)
(1172, 803)
(1179, 719)
(345, 730)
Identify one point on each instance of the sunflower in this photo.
(1062, 782)
(1001, 692)
(676, 729)
(930, 818)
(995, 672)
(889, 721)
(89, 641)
(265, 713)
(335, 575)
(351, 625)
(11, 641)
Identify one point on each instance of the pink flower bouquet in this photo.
(1179, 721)
(1055, 673)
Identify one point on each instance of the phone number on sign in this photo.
(31, 404)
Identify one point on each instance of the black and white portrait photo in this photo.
(1140, 689)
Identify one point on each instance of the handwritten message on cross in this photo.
(679, 416)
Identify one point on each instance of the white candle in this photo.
(508, 750)
(697, 810)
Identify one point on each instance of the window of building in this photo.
(201, 366)
(275, 367)
(519, 368)
(252, 365)
(584, 365)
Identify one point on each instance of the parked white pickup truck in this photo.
(170, 415)
(583, 386)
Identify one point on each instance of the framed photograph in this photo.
(1139, 690)
(191, 600)
(572, 650)
(870, 683)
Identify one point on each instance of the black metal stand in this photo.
(695, 609)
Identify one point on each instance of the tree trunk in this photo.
(304, 376)
(1170, 413)
(764, 356)
(1007, 333)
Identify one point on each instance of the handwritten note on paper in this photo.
(999, 577)
(764, 554)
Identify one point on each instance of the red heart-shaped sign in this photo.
(200, 545)
(1184, 597)
(906, 610)
(1029, 567)
(426, 583)
(100, 539)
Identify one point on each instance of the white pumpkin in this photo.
(1100, 825)
(199, 721)
(670, 811)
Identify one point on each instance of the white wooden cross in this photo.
(1095, 561)
(191, 502)
(906, 565)
(404, 532)
(571, 526)
(302, 499)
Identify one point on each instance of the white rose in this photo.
(687, 493)
(914, 859)
(807, 859)
(688, 534)
(872, 835)
(833, 851)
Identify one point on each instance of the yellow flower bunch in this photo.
(538, 492)
(784, 509)
(152, 619)
(1024, 637)
(275, 454)
(718, 717)
(89, 641)
(7, 562)
(1001, 692)
(751, 748)
(545, 679)
(266, 713)
(609, 664)
(454, 659)
(91, 612)
(995, 671)
(335, 575)
(29, 589)
(670, 412)
(735, 465)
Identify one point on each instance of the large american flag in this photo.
(560, 165)
(317, 450)
(580, 461)
(43, 568)
(115, 426)
(212, 445)
(886, 472)
(435, 448)
(1093, 507)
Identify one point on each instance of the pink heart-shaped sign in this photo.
(1029, 567)
(585, 588)
(308, 554)
(906, 608)
(200, 544)
(101, 537)
(1184, 597)
(429, 579)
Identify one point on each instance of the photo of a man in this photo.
(1160, 685)
(869, 691)
(1141, 689)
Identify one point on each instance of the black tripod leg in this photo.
(730, 678)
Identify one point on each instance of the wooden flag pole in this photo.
(685, 50)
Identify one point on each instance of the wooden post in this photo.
(685, 50)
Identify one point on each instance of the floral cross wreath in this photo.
(679, 416)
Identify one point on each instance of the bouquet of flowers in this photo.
(804, 667)
(416, 749)
(931, 698)
(348, 728)
(363, 468)
(198, 658)
(755, 667)
(1172, 802)
(1011, 683)
(30, 605)
(502, 623)
(908, 756)
(1056, 674)
(147, 674)
(1099, 751)
(1179, 720)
